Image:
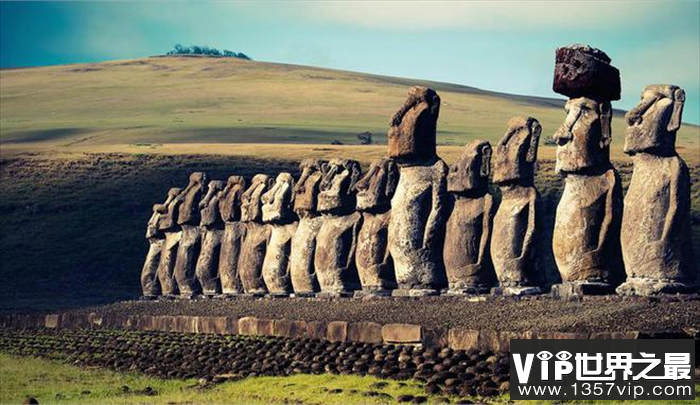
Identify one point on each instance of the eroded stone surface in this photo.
(256, 238)
(374, 192)
(586, 240)
(655, 236)
(584, 71)
(212, 229)
(469, 225)
(190, 242)
(416, 229)
(278, 213)
(334, 258)
(515, 241)
(150, 285)
(232, 238)
(306, 189)
(167, 223)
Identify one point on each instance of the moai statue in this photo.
(416, 229)
(372, 259)
(302, 270)
(586, 236)
(656, 243)
(515, 240)
(334, 259)
(190, 242)
(150, 285)
(277, 212)
(167, 224)
(470, 222)
(234, 232)
(257, 235)
(212, 230)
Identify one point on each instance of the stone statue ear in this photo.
(674, 123)
(392, 178)
(486, 160)
(605, 111)
(355, 174)
(535, 132)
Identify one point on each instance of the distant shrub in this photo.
(336, 142)
(206, 51)
(365, 138)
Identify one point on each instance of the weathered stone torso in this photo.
(513, 251)
(302, 272)
(374, 264)
(463, 239)
(252, 257)
(416, 226)
(655, 222)
(334, 259)
(586, 232)
(276, 264)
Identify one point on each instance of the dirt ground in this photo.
(599, 314)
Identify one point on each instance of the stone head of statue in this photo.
(190, 196)
(209, 205)
(412, 136)
(471, 172)
(230, 198)
(251, 200)
(159, 211)
(168, 210)
(583, 141)
(653, 123)
(307, 187)
(377, 186)
(338, 185)
(278, 200)
(516, 153)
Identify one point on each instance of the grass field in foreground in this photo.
(52, 382)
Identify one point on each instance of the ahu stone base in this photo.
(648, 287)
(578, 289)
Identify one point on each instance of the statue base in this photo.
(279, 295)
(167, 297)
(303, 295)
(516, 291)
(148, 298)
(254, 294)
(469, 290)
(335, 294)
(378, 293)
(581, 288)
(418, 292)
(230, 295)
(650, 287)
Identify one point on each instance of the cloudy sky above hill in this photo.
(497, 45)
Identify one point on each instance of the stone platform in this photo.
(456, 322)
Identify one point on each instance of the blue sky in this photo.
(497, 45)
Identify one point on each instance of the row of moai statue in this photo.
(412, 226)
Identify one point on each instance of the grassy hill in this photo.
(165, 100)
(85, 150)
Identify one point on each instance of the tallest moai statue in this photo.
(586, 241)
(656, 243)
(418, 207)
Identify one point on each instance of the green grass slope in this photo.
(226, 100)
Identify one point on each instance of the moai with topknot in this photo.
(190, 242)
(150, 286)
(470, 222)
(234, 232)
(212, 230)
(167, 224)
(277, 212)
(656, 242)
(586, 236)
(334, 259)
(515, 241)
(257, 235)
(306, 190)
(416, 228)
(374, 264)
